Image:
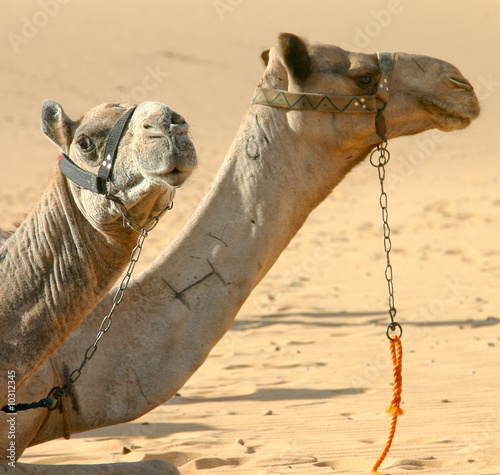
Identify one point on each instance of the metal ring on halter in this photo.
(383, 158)
(55, 394)
(392, 327)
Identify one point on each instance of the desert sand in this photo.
(303, 377)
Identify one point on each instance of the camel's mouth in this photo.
(176, 177)
(452, 115)
(169, 160)
(174, 171)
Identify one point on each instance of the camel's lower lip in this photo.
(457, 113)
(176, 177)
(171, 176)
(172, 167)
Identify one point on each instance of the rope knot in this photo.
(394, 411)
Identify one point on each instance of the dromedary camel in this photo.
(281, 165)
(71, 248)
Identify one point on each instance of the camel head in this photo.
(425, 93)
(154, 156)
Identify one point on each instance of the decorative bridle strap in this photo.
(386, 64)
(308, 101)
(88, 180)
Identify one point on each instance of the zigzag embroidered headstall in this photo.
(308, 101)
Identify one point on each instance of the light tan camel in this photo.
(71, 248)
(281, 165)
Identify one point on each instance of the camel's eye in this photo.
(365, 80)
(85, 144)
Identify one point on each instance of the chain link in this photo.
(380, 162)
(118, 297)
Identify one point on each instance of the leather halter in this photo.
(98, 183)
(333, 103)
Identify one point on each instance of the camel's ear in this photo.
(295, 55)
(265, 57)
(56, 125)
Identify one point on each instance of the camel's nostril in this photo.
(167, 125)
(153, 130)
(177, 118)
(150, 124)
(461, 82)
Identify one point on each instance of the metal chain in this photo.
(143, 232)
(380, 162)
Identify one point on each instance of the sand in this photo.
(303, 377)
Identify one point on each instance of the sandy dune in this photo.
(304, 375)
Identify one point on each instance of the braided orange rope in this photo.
(394, 409)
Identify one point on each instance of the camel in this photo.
(281, 165)
(72, 247)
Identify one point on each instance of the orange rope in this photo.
(394, 409)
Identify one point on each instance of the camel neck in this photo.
(267, 186)
(54, 269)
(187, 299)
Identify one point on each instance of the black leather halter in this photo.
(98, 183)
